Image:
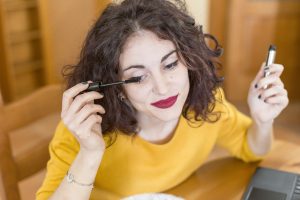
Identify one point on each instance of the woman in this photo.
(151, 135)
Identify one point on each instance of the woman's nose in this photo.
(160, 85)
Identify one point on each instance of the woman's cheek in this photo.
(137, 93)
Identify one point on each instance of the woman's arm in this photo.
(84, 168)
(80, 115)
(265, 104)
(260, 138)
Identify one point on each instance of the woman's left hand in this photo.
(266, 104)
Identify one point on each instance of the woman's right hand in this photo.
(79, 114)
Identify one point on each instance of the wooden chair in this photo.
(26, 127)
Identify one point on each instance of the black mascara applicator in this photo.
(98, 85)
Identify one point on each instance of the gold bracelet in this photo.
(71, 179)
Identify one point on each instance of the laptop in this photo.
(271, 184)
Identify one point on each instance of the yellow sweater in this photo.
(132, 166)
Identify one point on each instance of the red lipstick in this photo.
(165, 103)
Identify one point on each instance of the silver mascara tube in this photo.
(270, 60)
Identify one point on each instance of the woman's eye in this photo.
(172, 65)
(141, 78)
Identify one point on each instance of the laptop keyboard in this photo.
(296, 195)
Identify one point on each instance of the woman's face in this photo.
(164, 84)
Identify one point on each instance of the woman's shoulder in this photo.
(219, 95)
(219, 109)
(220, 102)
(217, 104)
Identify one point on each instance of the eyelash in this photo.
(172, 65)
(168, 67)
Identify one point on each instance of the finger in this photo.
(82, 100)
(87, 125)
(278, 100)
(88, 110)
(78, 103)
(69, 94)
(276, 69)
(97, 128)
(273, 91)
(278, 82)
(269, 80)
(260, 74)
(91, 102)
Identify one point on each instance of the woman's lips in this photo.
(165, 103)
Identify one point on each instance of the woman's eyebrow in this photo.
(142, 66)
(166, 56)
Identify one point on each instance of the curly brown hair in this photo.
(99, 58)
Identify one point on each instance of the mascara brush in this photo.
(98, 85)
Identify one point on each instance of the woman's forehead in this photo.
(143, 47)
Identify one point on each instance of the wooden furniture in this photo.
(26, 127)
(21, 59)
(38, 38)
(245, 28)
(64, 27)
(1, 100)
(228, 177)
(224, 177)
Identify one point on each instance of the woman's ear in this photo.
(121, 96)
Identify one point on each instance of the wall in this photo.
(199, 9)
(66, 24)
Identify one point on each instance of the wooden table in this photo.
(225, 177)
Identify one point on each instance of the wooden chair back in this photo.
(18, 116)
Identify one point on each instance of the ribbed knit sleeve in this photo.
(63, 149)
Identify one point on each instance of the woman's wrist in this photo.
(80, 177)
(260, 125)
(260, 137)
(263, 126)
(92, 158)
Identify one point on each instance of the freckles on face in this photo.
(162, 73)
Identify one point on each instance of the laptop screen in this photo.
(263, 194)
(272, 184)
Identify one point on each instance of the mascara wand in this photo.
(98, 85)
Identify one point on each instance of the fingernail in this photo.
(259, 96)
(255, 86)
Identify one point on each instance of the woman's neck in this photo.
(157, 131)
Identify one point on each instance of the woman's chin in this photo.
(168, 115)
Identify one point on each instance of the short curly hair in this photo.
(99, 58)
